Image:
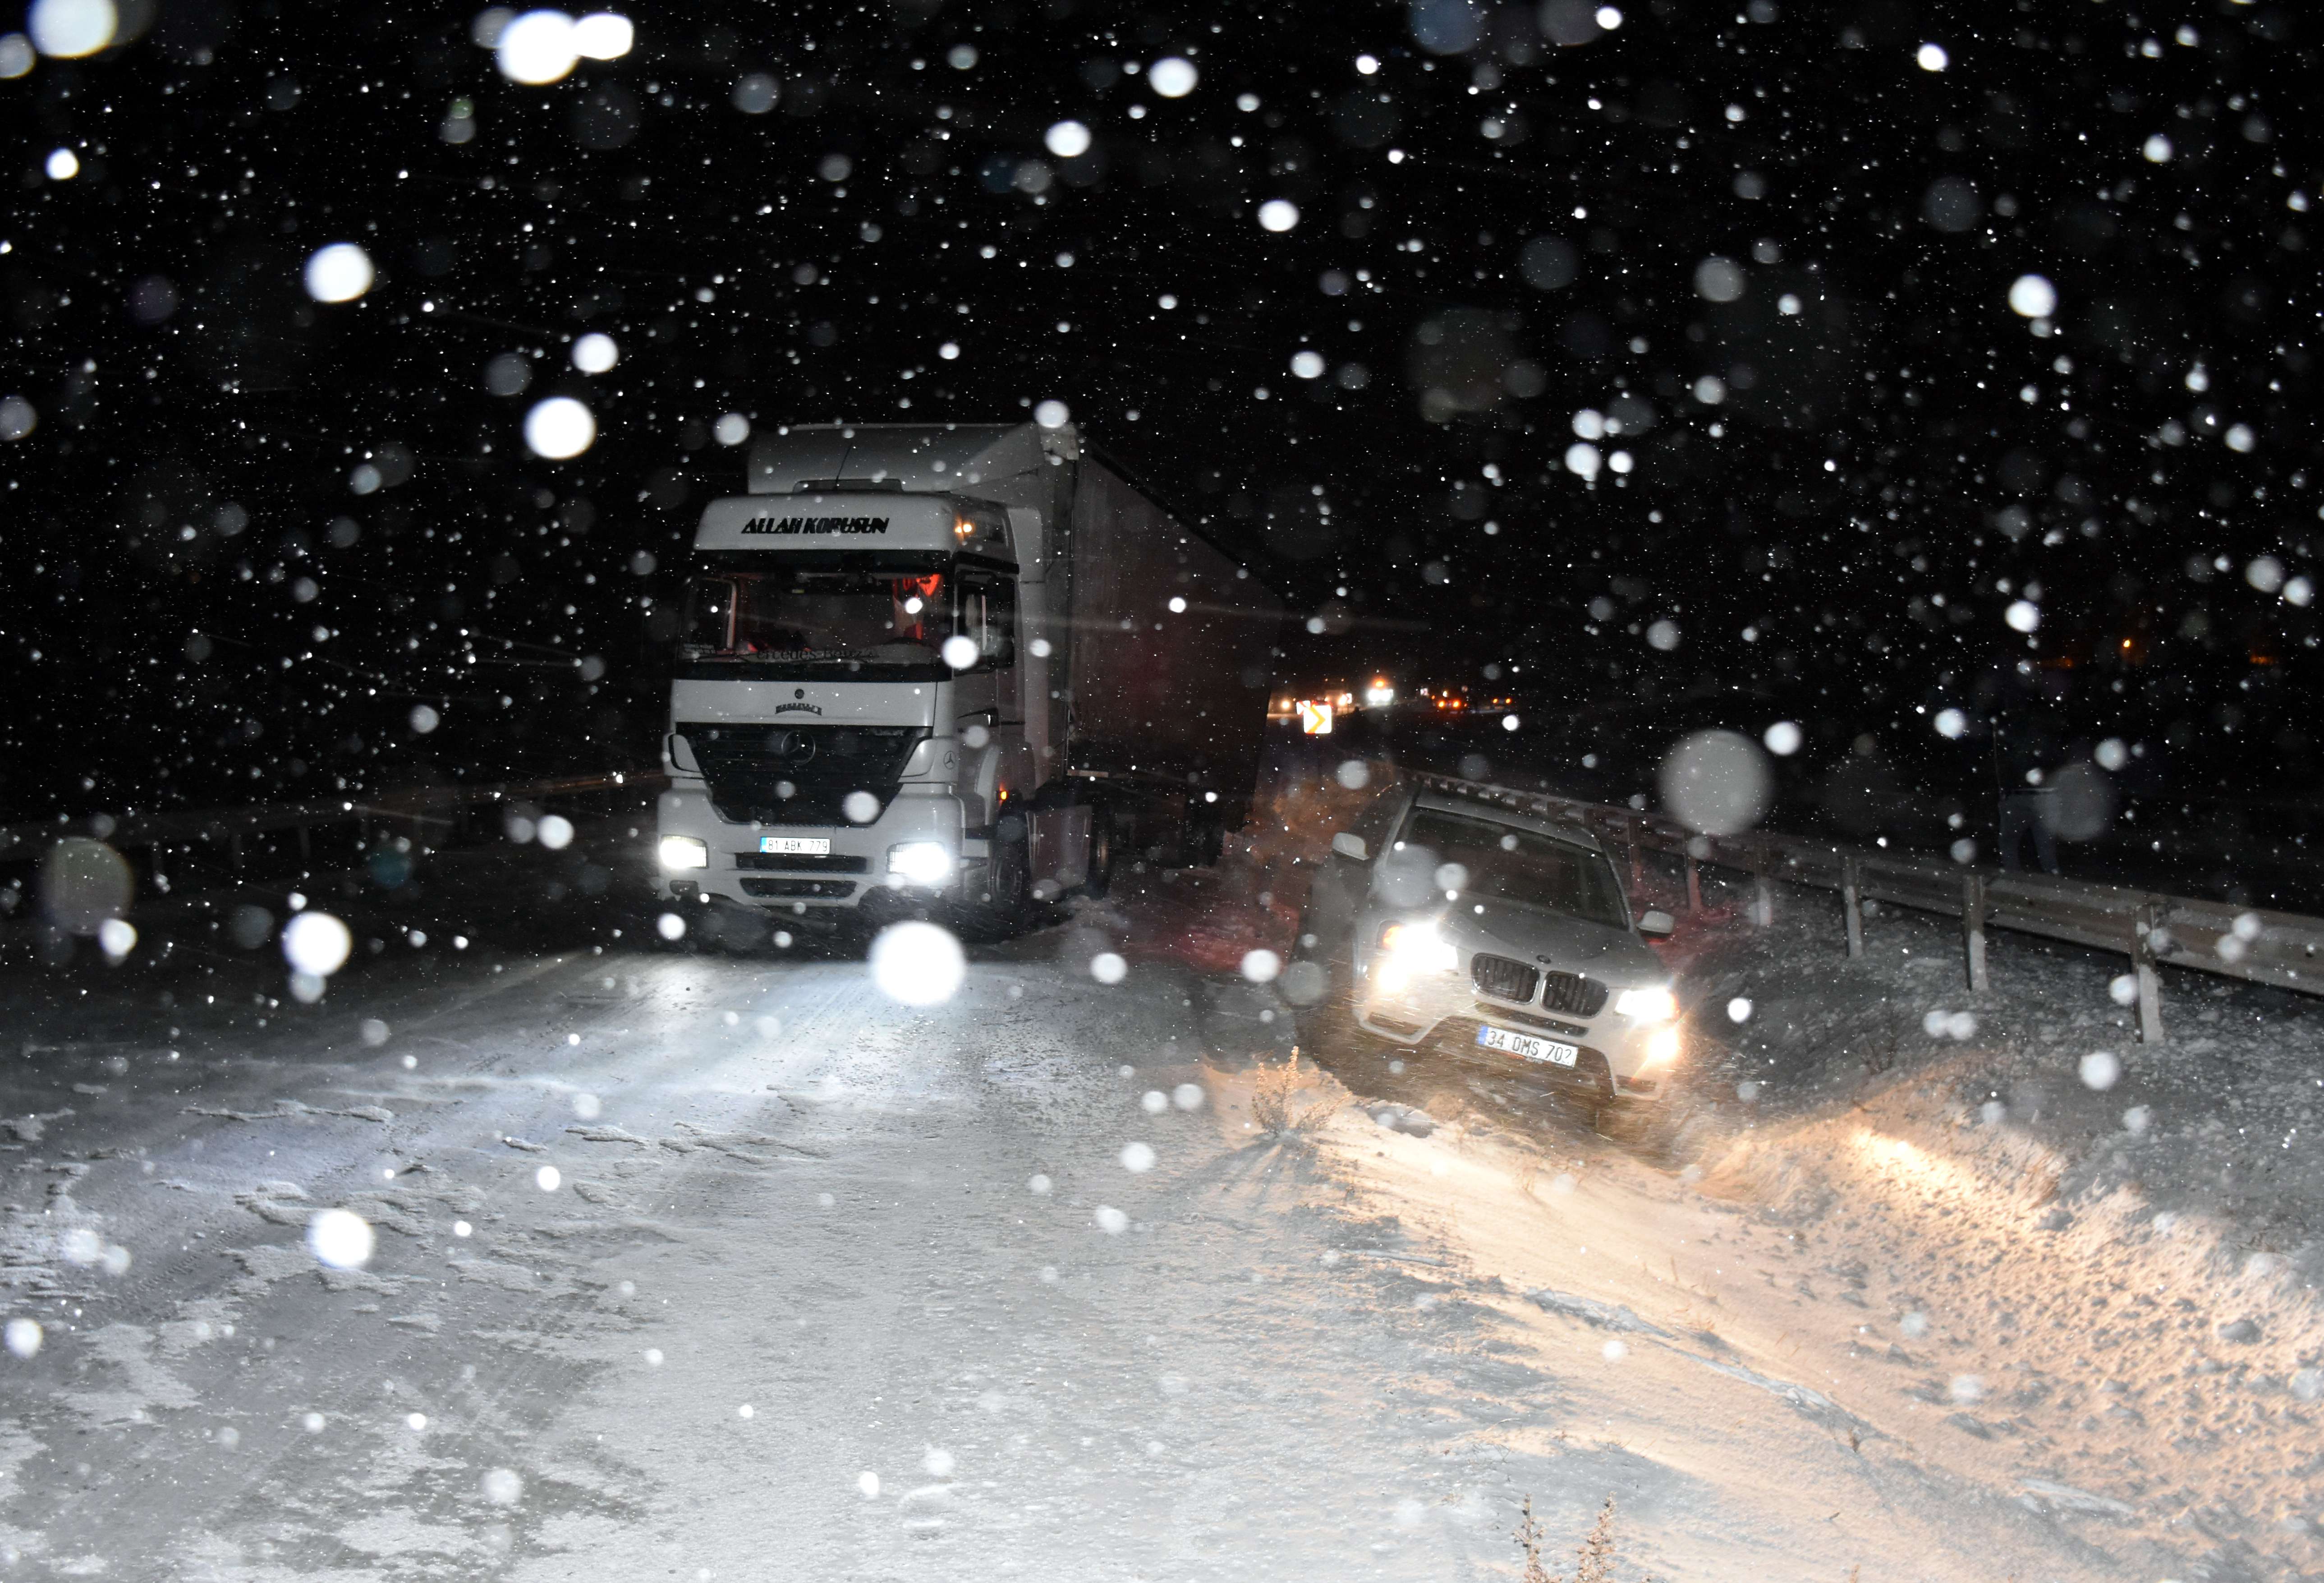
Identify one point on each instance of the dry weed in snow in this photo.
(1593, 1558)
(1274, 1099)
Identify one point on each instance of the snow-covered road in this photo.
(825, 1286)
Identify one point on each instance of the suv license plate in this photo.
(796, 846)
(1527, 1046)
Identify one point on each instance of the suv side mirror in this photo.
(1351, 845)
(1657, 924)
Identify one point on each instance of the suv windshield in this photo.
(1519, 866)
(819, 616)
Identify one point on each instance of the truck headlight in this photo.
(684, 852)
(1657, 1004)
(920, 862)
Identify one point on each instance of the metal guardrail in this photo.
(2151, 929)
(187, 830)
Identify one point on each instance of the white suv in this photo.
(1463, 923)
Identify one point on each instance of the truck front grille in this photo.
(1503, 979)
(798, 774)
(1573, 995)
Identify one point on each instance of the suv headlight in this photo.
(920, 862)
(1417, 948)
(684, 852)
(1657, 1004)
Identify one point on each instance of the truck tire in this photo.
(1100, 879)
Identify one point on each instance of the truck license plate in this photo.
(1527, 1046)
(796, 846)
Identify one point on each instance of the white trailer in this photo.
(949, 670)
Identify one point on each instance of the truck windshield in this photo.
(1519, 866)
(811, 617)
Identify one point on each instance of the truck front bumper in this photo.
(913, 857)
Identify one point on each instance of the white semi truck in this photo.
(949, 671)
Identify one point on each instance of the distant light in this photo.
(1932, 57)
(538, 47)
(63, 165)
(2022, 616)
(339, 272)
(1279, 214)
(1379, 695)
(1307, 364)
(1783, 738)
(70, 29)
(1366, 64)
(2033, 297)
(1173, 76)
(1068, 140)
(594, 352)
(605, 35)
(559, 428)
(1053, 414)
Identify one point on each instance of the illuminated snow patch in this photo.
(2032, 297)
(316, 944)
(919, 964)
(70, 29)
(537, 47)
(605, 35)
(559, 428)
(1173, 76)
(341, 1238)
(338, 273)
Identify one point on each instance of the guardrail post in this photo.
(2150, 981)
(1973, 928)
(1694, 882)
(1851, 900)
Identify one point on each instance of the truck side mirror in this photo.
(1657, 924)
(1351, 847)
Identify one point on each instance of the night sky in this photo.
(1764, 261)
